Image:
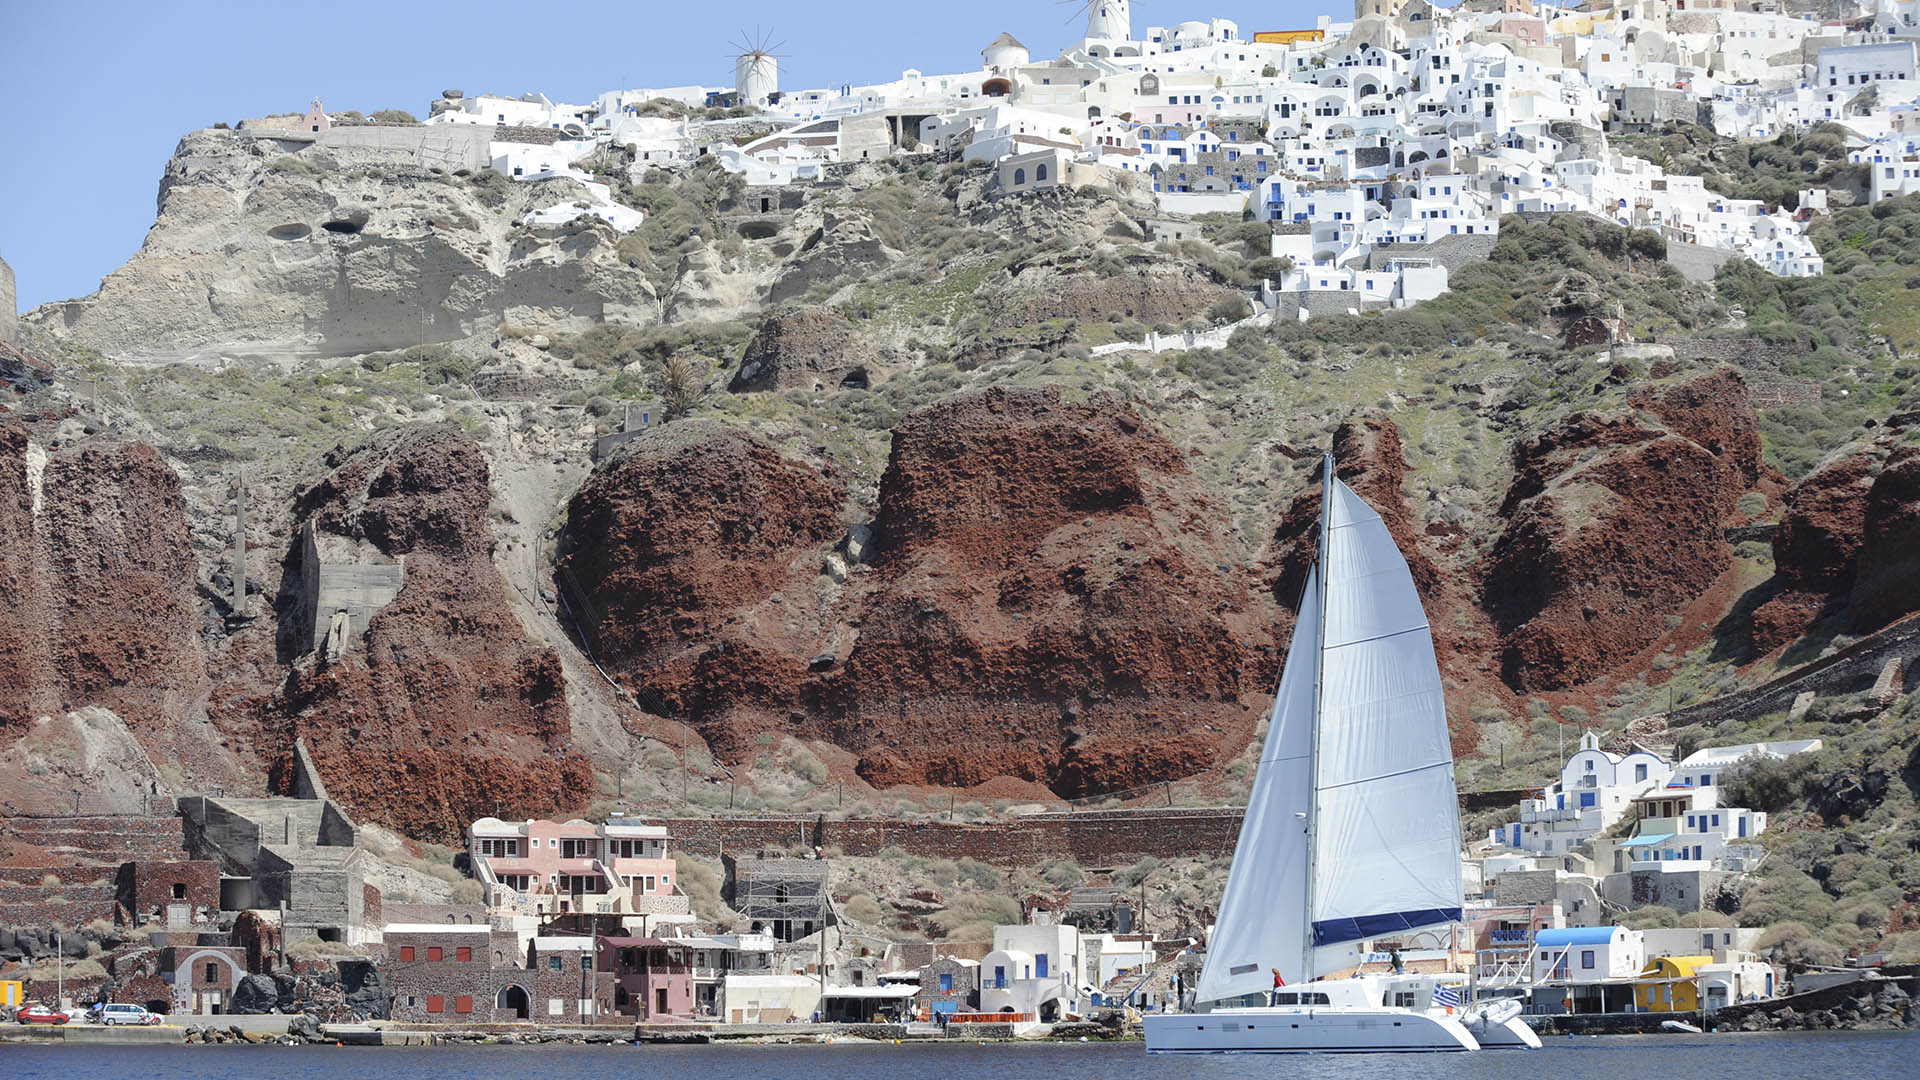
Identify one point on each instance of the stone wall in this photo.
(1854, 668)
(442, 146)
(454, 991)
(1697, 262)
(149, 888)
(1452, 252)
(1744, 352)
(1097, 838)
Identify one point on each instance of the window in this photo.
(999, 977)
(179, 890)
(435, 954)
(554, 963)
(463, 1003)
(464, 954)
(1640, 771)
(1019, 177)
(436, 1003)
(1040, 174)
(406, 954)
(1586, 958)
(586, 963)
(213, 972)
(556, 1007)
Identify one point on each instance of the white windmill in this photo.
(756, 67)
(1107, 20)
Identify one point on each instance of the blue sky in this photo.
(96, 95)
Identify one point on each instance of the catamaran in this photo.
(1352, 830)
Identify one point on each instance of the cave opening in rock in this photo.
(855, 380)
(293, 230)
(759, 230)
(346, 227)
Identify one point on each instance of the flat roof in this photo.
(437, 928)
(1649, 841)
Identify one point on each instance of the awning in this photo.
(1648, 841)
(879, 992)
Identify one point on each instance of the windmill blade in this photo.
(1077, 10)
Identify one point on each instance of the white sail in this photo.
(1262, 922)
(1386, 835)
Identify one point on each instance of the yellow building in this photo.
(12, 992)
(1670, 984)
(1288, 37)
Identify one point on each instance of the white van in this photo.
(115, 1013)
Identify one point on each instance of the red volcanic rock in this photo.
(1715, 411)
(1888, 585)
(692, 558)
(1369, 458)
(1051, 597)
(445, 711)
(1612, 526)
(1816, 548)
(100, 607)
(1055, 598)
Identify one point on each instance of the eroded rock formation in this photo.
(445, 711)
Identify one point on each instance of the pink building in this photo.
(573, 866)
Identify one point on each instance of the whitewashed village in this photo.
(1382, 147)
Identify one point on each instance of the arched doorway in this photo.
(513, 999)
(996, 88)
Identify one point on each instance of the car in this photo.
(114, 1014)
(40, 1014)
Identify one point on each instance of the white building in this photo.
(1587, 954)
(1595, 790)
(1033, 970)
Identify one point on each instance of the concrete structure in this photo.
(344, 584)
(297, 857)
(784, 898)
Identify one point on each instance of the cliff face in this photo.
(101, 572)
(446, 711)
(264, 245)
(691, 560)
(1888, 584)
(1613, 523)
(1050, 596)
(1054, 597)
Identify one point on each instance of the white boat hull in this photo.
(1507, 1034)
(1318, 1029)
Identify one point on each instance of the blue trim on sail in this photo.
(1337, 931)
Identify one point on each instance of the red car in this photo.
(40, 1014)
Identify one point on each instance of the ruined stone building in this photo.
(786, 898)
(344, 584)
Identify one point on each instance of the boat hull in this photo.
(1512, 1033)
(1306, 1030)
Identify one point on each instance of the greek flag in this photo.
(1446, 997)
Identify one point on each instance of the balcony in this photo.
(1510, 937)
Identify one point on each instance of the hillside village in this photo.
(1373, 144)
(1648, 869)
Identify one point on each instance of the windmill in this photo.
(1107, 20)
(756, 67)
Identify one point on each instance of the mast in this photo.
(1319, 693)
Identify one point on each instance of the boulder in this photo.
(255, 995)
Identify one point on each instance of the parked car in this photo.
(40, 1014)
(116, 1013)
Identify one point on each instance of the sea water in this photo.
(1830, 1056)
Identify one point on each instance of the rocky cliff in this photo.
(272, 246)
(465, 716)
(1047, 593)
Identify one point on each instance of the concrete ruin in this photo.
(297, 854)
(786, 898)
(344, 584)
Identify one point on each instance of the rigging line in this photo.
(1382, 637)
(1448, 764)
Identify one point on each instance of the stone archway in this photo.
(513, 998)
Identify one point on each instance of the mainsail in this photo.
(1352, 829)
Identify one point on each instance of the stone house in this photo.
(440, 974)
(949, 985)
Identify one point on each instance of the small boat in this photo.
(1352, 829)
(1680, 1027)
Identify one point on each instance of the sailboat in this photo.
(1352, 829)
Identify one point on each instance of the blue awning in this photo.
(1648, 841)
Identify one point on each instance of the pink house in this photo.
(573, 866)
